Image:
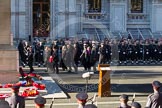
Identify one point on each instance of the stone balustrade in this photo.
(138, 17)
(95, 16)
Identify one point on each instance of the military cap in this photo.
(15, 87)
(4, 104)
(90, 106)
(82, 96)
(136, 105)
(156, 84)
(40, 101)
(124, 97)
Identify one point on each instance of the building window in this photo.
(94, 6)
(136, 6)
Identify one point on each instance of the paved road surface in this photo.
(124, 79)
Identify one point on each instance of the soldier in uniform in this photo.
(130, 52)
(4, 104)
(108, 51)
(147, 52)
(40, 102)
(123, 101)
(16, 101)
(155, 100)
(140, 51)
(122, 52)
(136, 52)
(90, 106)
(155, 51)
(136, 105)
(81, 99)
(159, 48)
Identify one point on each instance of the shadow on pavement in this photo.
(116, 88)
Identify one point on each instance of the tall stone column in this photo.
(8, 54)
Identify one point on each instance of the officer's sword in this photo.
(134, 96)
(52, 102)
(94, 98)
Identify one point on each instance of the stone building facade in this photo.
(94, 19)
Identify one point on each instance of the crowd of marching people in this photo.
(70, 53)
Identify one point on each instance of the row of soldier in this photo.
(88, 53)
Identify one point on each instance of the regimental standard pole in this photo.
(87, 76)
(86, 90)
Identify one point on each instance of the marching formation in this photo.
(71, 53)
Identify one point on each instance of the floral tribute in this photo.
(30, 92)
(27, 80)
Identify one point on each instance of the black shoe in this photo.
(69, 71)
(39, 65)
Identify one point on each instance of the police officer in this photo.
(136, 105)
(16, 101)
(123, 101)
(155, 99)
(90, 106)
(81, 99)
(40, 102)
(4, 104)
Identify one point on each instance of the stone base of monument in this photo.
(9, 62)
(9, 58)
(8, 77)
(52, 90)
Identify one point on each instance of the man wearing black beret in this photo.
(123, 101)
(136, 105)
(155, 99)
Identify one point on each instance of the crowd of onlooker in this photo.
(154, 100)
(67, 53)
